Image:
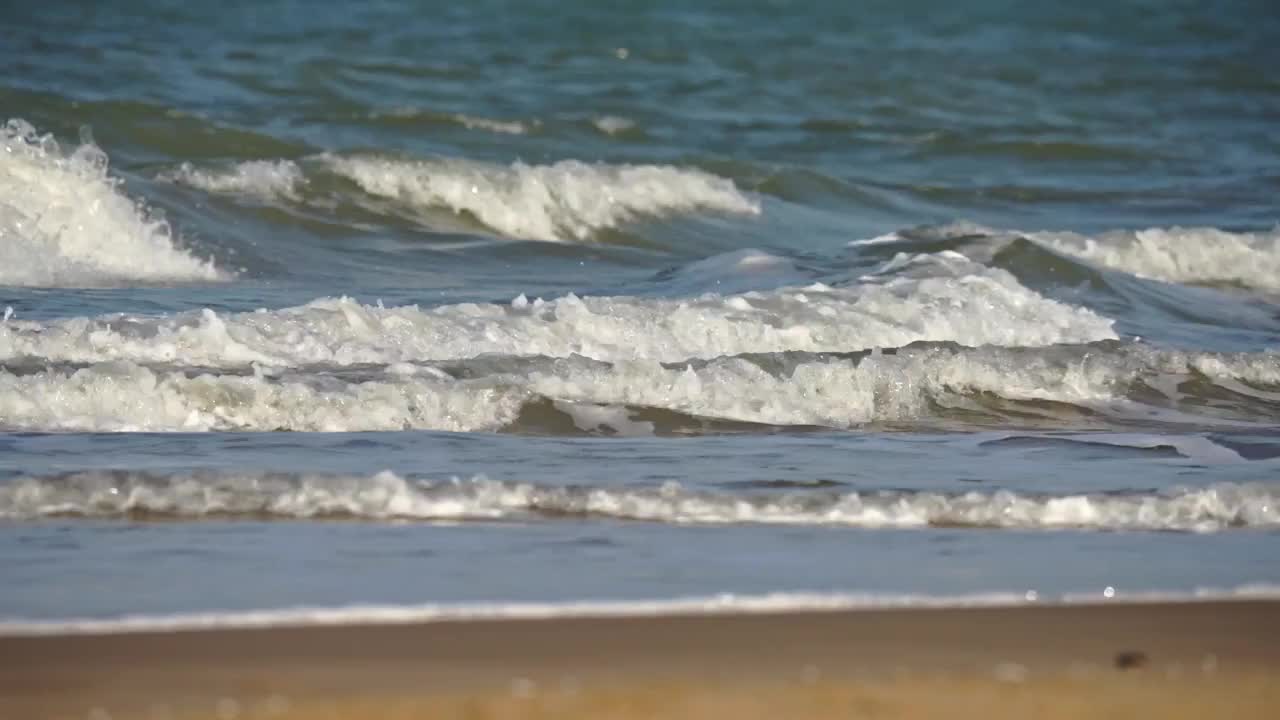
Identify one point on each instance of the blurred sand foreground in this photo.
(1119, 660)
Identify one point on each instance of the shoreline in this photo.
(1175, 655)
(780, 603)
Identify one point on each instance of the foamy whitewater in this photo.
(1181, 255)
(669, 308)
(955, 300)
(66, 222)
(388, 496)
(568, 201)
(911, 385)
(1206, 256)
(564, 202)
(259, 179)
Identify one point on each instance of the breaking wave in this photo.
(568, 201)
(1071, 386)
(389, 496)
(1181, 255)
(942, 298)
(260, 179)
(1204, 256)
(66, 222)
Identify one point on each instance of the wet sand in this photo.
(1197, 659)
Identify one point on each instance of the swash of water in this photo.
(472, 305)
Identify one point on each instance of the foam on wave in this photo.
(65, 222)
(123, 397)
(389, 496)
(488, 394)
(928, 298)
(613, 124)
(1190, 255)
(565, 202)
(260, 179)
(470, 122)
(1181, 255)
(504, 127)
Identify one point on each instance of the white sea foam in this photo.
(123, 397)
(910, 385)
(601, 418)
(65, 222)
(721, 604)
(260, 179)
(470, 122)
(952, 230)
(1182, 255)
(565, 202)
(389, 496)
(738, 271)
(1175, 254)
(612, 124)
(505, 127)
(941, 298)
(835, 393)
(725, 603)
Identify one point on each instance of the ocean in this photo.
(411, 309)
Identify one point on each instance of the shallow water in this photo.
(410, 304)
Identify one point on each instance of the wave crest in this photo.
(1181, 255)
(928, 298)
(1080, 386)
(259, 179)
(1187, 255)
(65, 222)
(388, 496)
(568, 201)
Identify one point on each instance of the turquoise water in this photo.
(316, 304)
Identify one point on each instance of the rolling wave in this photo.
(568, 201)
(1193, 256)
(258, 179)
(1219, 507)
(66, 222)
(1081, 386)
(913, 298)
(1181, 255)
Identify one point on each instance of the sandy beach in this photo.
(1194, 659)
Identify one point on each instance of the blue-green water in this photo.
(570, 302)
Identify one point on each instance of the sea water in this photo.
(411, 309)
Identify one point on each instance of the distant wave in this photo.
(613, 124)
(422, 117)
(565, 202)
(123, 397)
(506, 127)
(65, 222)
(941, 297)
(383, 496)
